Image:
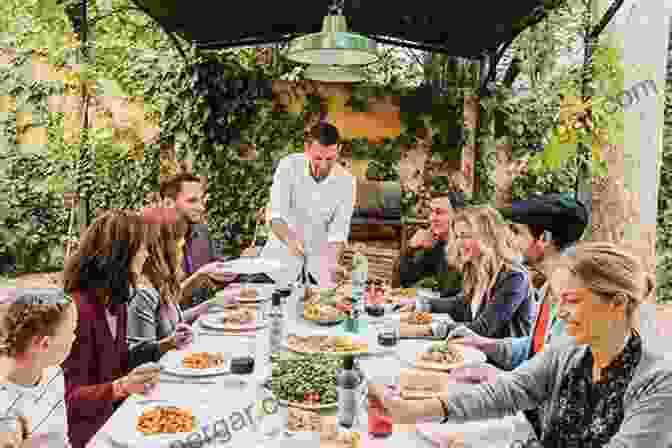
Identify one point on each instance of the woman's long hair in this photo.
(498, 253)
(102, 263)
(163, 268)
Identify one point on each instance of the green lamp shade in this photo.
(334, 73)
(334, 45)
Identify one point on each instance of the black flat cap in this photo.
(559, 213)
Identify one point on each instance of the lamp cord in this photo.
(337, 8)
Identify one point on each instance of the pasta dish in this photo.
(165, 420)
(203, 360)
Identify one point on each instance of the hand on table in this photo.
(251, 251)
(13, 431)
(465, 336)
(382, 398)
(184, 335)
(421, 239)
(215, 272)
(141, 380)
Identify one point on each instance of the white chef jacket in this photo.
(319, 213)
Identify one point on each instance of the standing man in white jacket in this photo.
(312, 200)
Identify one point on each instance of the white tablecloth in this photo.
(229, 400)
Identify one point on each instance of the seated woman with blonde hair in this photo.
(497, 299)
(605, 389)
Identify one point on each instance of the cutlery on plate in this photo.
(115, 443)
(218, 333)
(184, 381)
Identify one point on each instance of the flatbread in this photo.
(431, 365)
(294, 343)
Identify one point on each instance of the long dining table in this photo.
(228, 397)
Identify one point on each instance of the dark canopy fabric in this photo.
(463, 29)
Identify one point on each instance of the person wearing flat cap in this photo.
(547, 226)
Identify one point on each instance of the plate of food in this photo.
(418, 318)
(240, 319)
(421, 384)
(333, 345)
(323, 314)
(306, 382)
(159, 422)
(331, 435)
(447, 356)
(250, 294)
(197, 364)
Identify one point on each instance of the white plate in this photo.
(255, 265)
(409, 350)
(173, 365)
(215, 321)
(130, 435)
(495, 433)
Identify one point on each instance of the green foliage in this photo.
(664, 222)
(237, 188)
(541, 180)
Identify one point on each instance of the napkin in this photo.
(493, 433)
(438, 438)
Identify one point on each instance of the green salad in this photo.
(306, 378)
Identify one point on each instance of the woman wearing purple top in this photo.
(101, 371)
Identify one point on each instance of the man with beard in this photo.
(430, 258)
(186, 194)
(312, 201)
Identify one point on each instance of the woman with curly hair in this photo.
(37, 330)
(497, 300)
(101, 371)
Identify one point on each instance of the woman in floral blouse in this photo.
(604, 390)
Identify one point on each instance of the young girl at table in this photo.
(154, 313)
(497, 300)
(37, 329)
(100, 371)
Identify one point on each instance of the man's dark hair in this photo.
(173, 186)
(326, 134)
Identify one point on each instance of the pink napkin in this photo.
(439, 439)
(407, 301)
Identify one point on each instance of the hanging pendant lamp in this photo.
(334, 73)
(334, 45)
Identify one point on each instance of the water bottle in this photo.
(360, 273)
(277, 323)
(348, 387)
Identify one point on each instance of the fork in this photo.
(115, 443)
